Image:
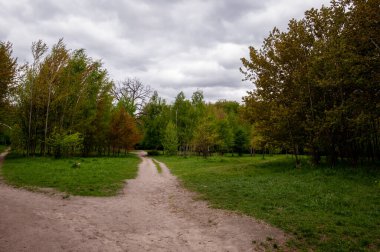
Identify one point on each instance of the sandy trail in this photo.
(154, 213)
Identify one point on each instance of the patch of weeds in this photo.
(66, 196)
(157, 166)
(76, 165)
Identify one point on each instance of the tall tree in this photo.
(123, 130)
(205, 136)
(154, 118)
(8, 69)
(132, 94)
(63, 93)
(225, 136)
(51, 70)
(170, 139)
(241, 140)
(39, 48)
(182, 117)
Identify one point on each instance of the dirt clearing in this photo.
(154, 213)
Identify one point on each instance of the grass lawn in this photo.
(323, 209)
(3, 148)
(103, 176)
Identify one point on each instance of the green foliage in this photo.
(184, 119)
(93, 177)
(154, 119)
(229, 107)
(170, 140)
(205, 136)
(64, 94)
(316, 85)
(8, 70)
(194, 126)
(8, 66)
(153, 153)
(322, 209)
(225, 136)
(128, 106)
(3, 148)
(65, 144)
(18, 140)
(241, 141)
(257, 141)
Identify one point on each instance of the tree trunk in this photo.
(28, 147)
(316, 155)
(46, 120)
(298, 163)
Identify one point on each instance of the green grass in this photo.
(102, 176)
(157, 165)
(323, 209)
(3, 148)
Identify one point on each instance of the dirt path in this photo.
(154, 214)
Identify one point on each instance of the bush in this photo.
(65, 144)
(153, 153)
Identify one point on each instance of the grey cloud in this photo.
(170, 45)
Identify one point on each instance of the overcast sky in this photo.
(171, 45)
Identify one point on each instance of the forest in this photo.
(315, 91)
(65, 104)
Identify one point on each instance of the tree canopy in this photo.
(63, 99)
(317, 85)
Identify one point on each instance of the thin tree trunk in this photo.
(28, 147)
(46, 120)
(295, 146)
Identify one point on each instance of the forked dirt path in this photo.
(154, 213)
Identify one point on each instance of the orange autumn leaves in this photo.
(123, 130)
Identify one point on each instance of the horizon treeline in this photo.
(64, 103)
(316, 91)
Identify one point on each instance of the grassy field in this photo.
(102, 176)
(323, 209)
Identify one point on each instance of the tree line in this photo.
(191, 126)
(317, 85)
(316, 92)
(62, 103)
